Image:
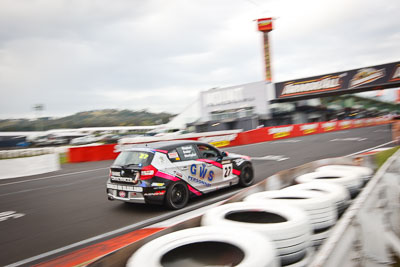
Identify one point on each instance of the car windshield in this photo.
(139, 158)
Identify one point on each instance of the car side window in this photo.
(187, 152)
(207, 151)
(173, 156)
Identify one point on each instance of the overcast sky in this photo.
(78, 55)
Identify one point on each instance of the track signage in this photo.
(345, 82)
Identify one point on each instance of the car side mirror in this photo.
(222, 155)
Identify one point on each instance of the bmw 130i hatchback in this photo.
(169, 173)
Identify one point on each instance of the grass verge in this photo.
(381, 157)
(63, 158)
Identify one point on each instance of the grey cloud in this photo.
(78, 55)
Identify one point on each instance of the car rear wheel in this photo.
(246, 177)
(177, 195)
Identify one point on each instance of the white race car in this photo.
(171, 172)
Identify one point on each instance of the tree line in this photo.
(94, 118)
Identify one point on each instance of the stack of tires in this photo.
(207, 246)
(288, 227)
(363, 173)
(339, 194)
(268, 229)
(320, 208)
(350, 180)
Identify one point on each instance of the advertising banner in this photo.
(398, 96)
(219, 140)
(264, 25)
(364, 79)
(329, 126)
(343, 125)
(281, 132)
(358, 123)
(309, 128)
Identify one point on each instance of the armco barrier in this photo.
(229, 138)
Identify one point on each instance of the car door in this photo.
(194, 172)
(221, 168)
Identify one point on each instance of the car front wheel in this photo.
(246, 177)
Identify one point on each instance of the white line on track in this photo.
(382, 131)
(349, 139)
(139, 225)
(369, 149)
(235, 149)
(271, 157)
(6, 215)
(287, 141)
(337, 132)
(53, 176)
(49, 186)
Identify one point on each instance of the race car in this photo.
(171, 172)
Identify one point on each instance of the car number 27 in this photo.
(227, 170)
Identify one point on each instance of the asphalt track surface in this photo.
(57, 209)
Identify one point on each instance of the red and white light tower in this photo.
(265, 26)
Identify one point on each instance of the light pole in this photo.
(265, 26)
(38, 108)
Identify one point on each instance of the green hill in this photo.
(94, 118)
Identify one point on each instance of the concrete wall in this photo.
(19, 167)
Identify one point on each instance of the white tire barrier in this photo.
(351, 181)
(338, 193)
(288, 227)
(320, 208)
(319, 238)
(305, 261)
(365, 173)
(207, 246)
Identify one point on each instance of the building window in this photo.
(232, 113)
